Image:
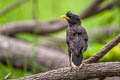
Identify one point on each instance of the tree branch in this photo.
(8, 76)
(44, 27)
(18, 52)
(12, 6)
(90, 10)
(107, 7)
(104, 50)
(95, 70)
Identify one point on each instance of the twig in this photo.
(8, 76)
(104, 50)
(12, 6)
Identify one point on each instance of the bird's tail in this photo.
(77, 60)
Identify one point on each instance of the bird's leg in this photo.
(69, 53)
(83, 64)
(70, 64)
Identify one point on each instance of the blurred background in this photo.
(32, 34)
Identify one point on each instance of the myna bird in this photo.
(76, 39)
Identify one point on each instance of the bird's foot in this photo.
(83, 64)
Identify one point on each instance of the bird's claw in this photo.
(70, 68)
(83, 64)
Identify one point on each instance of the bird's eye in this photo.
(69, 16)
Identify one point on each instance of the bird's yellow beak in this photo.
(65, 17)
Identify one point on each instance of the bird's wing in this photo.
(68, 37)
(68, 41)
(85, 37)
(78, 41)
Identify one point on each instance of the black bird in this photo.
(76, 39)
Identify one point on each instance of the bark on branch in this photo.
(95, 70)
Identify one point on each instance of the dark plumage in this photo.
(76, 39)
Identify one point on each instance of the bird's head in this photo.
(72, 18)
